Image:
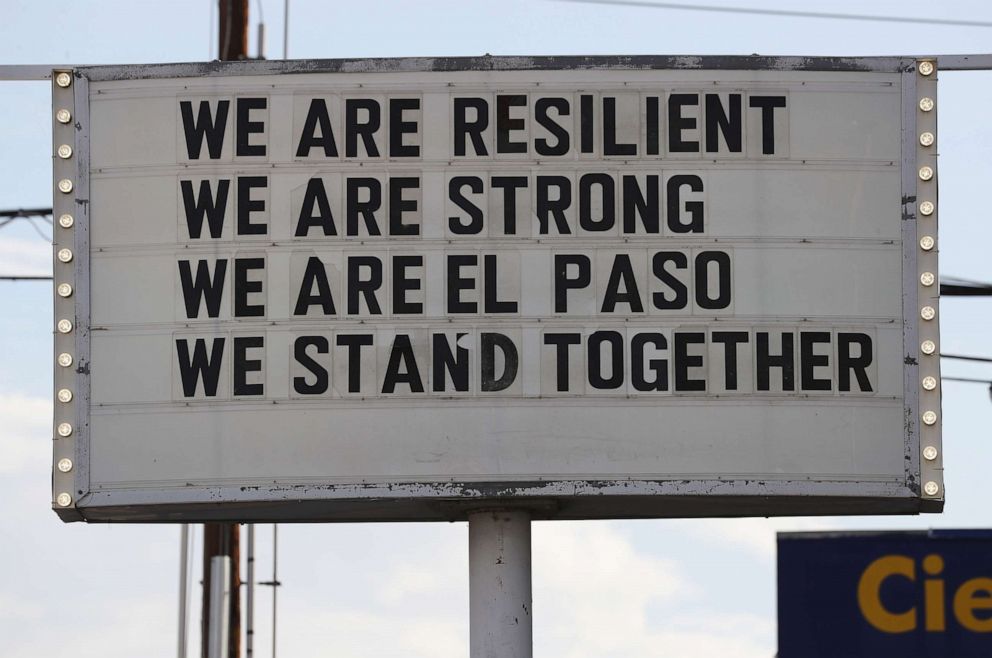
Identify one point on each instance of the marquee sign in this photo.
(395, 289)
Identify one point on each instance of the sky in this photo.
(675, 588)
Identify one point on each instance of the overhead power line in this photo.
(30, 220)
(26, 212)
(970, 380)
(30, 215)
(961, 357)
(757, 11)
(955, 287)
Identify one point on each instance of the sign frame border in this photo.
(559, 499)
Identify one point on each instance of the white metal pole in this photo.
(220, 605)
(285, 30)
(250, 594)
(183, 566)
(499, 566)
(275, 581)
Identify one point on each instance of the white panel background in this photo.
(815, 238)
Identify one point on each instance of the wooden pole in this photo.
(233, 30)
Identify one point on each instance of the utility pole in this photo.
(232, 38)
(224, 539)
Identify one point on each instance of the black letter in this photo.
(596, 378)
(456, 284)
(859, 364)
(455, 186)
(694, 208)
(652, 133)
(317, 115)
(585, 123)
(444, 361)
(247, 127)
(315, 273)
(730, 340)
(315, 195)
(300, 346)
(242, 286)
(488, 344)
(784, 361)
(504, 124)
(658, 262)
(473, 129)
(541, 116)
(246, 205)
(683, 361)
(401, 284)
(190, 370)
(546, 208)
(243, 365)
(205, 203)
(398, 127)
(622, 271)
(204, 125)
(398, 205)
(365, 287)
(365, 209)
(489, 279)
(353, 128)
(677, 123)
(509, 185)
(658, 366)
(608, 186)
(635, 203)
(563, 283)
(808, 360)
(354, 343)
(717, 120)
(402, 351)
(202, 286)
(703, 260)
(610, 146)
(561, 343)
(767, 105)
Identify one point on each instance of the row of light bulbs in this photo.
(64, 290)
(927, 279)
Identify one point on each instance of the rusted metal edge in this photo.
(560, 499)
(451, 508)
(977, 62)
(27, 72)
(910, 305)
(497, 63)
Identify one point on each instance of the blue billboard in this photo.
(921, 594)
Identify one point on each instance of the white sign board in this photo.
(397, 289)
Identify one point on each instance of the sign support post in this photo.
(499, 565)
(219, 637)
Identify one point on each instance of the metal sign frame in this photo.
(73, 497)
